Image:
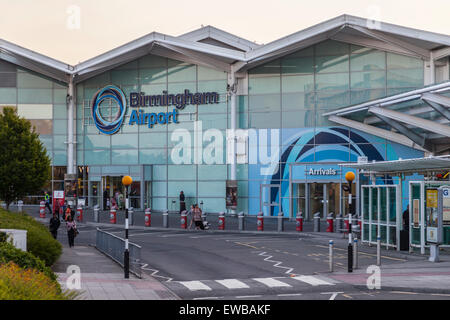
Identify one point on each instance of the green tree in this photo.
(24, 164)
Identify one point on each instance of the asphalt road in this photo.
(211, 265)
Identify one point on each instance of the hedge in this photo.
(40, 242)
(25, 260)
(28, 284)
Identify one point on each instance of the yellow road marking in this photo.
(246, 244)
(404, 292)
(367, 254)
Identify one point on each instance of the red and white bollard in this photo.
(112, 216)
(260, 222)
(222, 221)
(42, 209)
(79, 214)
(183, 220)
(299, 222)
(148, 217)
(330, 223)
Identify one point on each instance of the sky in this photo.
(75, 30)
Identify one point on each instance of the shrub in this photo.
(25, 260)
(28, 284)
(3, 237)
(40, 242)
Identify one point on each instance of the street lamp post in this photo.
(350, 176)
(126, 181)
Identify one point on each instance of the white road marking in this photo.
(313, 280)
(333, 294)
(154, 273)
(277, 263)
(248, 297)
(271, 282)
(289, 294)
(233, 284)
(195, 285)
(206, 298)
(173, 235)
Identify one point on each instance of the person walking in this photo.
(406, 218)
(57, 207)
(105, 200)
(182, 202)
(47, 202)
(71, 231)
(197, 218)
(54, 225)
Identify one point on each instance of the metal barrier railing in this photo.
(114, 246)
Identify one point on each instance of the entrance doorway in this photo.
(312, 197)
(113, 192)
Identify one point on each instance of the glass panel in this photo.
(152, 61)
(298, 119)
(300, 65)
(182, 172)
(315, 198)
(210, 74)
(98, 141)
(264, 85)
(8, 80)
(35, 96)
(334, 191)
(297, 83)
(153, 156)
(154, 75)
(332, 64)
(369, 80)
(397, 61)
(264, 120)
(331, 47)
(405, 78)
(332, 82)
(124, 157)
(367, 59)
(182, 72)
(43, 126)
(211, 189)
(35, 111)
(28, 80)
(8, 95)
(267, 102)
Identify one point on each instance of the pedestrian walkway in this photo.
(103, 279)
(411, 276)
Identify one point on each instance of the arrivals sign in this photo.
(141, 100)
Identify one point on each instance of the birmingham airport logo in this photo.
(114, 93)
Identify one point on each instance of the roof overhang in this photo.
(34, 61)
(419, 118)
(417, 165)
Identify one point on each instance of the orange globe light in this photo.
(350, 176)
(126, 181)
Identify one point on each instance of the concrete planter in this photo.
(17, 237)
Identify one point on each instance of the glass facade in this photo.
(288, 94)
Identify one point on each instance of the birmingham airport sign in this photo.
(141, 100)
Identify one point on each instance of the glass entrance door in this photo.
(113, 192)
(317, 201)
(312, 197)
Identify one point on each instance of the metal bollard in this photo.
(130, 216)
(280, 221)
(260, 222)
(183, 220)
(317, 222)
(299, 222)
(338, 222)
(96, 209)
(330, 222)
(355, 253)
(378, 251)
(241, 218)
(166, 219)
(331, 255)
(222, 221)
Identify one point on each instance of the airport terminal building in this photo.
(235, 125)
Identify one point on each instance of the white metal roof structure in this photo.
(417, 165)
(216, 48)
(418, 118)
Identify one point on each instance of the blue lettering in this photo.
(134, 117)
(134, 99)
